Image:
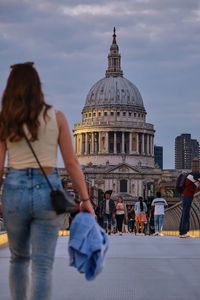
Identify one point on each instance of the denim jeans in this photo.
(184, 226)
(32, 227)
(158, 222)
(107, 222)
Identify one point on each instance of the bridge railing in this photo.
(173, 215)
(2, 228)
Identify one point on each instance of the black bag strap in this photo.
(38, 162)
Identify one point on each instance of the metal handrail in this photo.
(173, 215)
(2, 228)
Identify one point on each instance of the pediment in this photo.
(123, 168)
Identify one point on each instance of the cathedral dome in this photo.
(114, 90)
(113, 129)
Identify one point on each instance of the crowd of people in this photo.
(139, 218)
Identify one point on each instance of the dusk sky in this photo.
(159, 41)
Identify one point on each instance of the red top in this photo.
(191, 184)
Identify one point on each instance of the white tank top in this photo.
(19, 153)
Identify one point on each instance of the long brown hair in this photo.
(22, 102)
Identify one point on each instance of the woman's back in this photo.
(19, 154)
(138, 207)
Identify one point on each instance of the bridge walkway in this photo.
(136, 268)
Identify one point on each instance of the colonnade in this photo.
(114, 142)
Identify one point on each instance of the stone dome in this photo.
(113, 127)
(114, 91)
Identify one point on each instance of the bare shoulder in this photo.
(60, 117)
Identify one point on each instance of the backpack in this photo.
(180, 182)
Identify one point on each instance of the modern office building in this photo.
(158, 156)
(186, 149)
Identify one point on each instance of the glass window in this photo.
(123, 186)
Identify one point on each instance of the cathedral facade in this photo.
(113, 142)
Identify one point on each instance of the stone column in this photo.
(81, 143)
(137, 141)
(147, 144)
(115, 142)
(106, 142)
(78, 144)
(99, 141)
(92, 142)
(95, 142)
(142, 143)
(122, 142)
(86, 143)
(130, 142)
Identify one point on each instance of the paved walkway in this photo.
(137, 268)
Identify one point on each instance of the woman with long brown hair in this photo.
(140, 215)
(31, 223)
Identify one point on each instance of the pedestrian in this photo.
(31, 223)
(120, 213)
(191, 186)
(131, 218)
(108, 211)
(159, 205)
(140, 215)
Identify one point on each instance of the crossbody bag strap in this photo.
(38, 162)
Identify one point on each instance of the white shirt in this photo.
(159, 204)
(107, 206)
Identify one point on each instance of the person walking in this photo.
(191, 186)
(159, 205)
(31, 223)
(131, 218)
(140, 215)
(108, 211)
(120, 213)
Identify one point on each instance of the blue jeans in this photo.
(32, 227)
(107, 222)
(184, 226)
(158, 222)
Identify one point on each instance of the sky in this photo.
(159, 42)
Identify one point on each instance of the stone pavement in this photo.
(137, 268)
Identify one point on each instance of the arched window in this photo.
(123, 186)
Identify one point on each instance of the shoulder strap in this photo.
(38, 162)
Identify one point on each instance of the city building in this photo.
(186, 149)
(158, 156)
(113, 142)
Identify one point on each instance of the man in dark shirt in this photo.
(191, 186)
(108, 211)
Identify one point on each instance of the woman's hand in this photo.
(87, 206)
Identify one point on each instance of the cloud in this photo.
(69, 41)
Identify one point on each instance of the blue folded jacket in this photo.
(87, 245)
